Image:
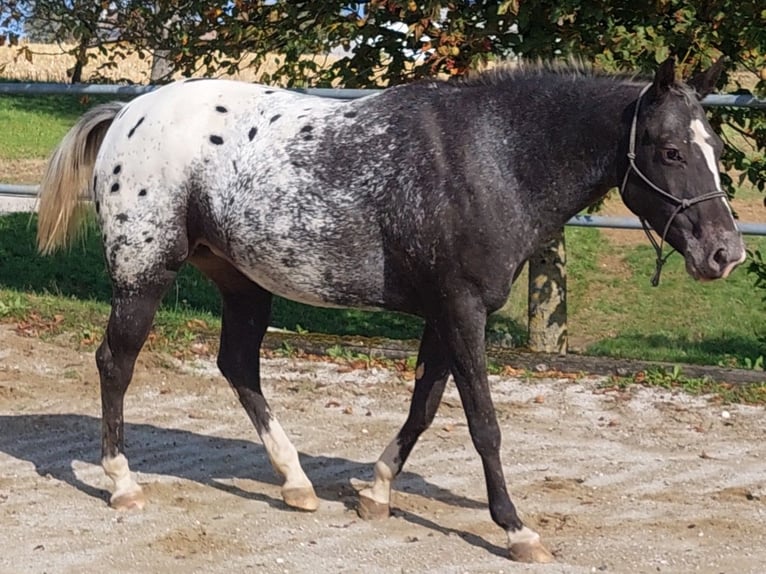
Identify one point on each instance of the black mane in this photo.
(572, 68)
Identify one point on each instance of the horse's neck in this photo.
(580, 155)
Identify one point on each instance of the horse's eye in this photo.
(671, 155)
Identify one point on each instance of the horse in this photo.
(424, 198)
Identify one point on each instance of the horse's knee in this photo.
(104, 357)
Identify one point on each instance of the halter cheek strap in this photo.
(681, 204)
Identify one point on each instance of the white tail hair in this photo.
(67, 178)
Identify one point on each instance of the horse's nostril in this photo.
(720, 257)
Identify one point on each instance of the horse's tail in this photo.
(67, 178)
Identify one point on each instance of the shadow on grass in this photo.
(728, 349)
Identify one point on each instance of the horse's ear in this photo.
(704, 82)
(664, 77)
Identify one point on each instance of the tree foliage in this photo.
(12, 14)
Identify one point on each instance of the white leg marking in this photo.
(523, 536)
(284, 456)
(124, 485)
(524, 546)
(701, 137)
(380, 491)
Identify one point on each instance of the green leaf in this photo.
(661, 54)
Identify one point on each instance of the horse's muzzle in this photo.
(716, 260)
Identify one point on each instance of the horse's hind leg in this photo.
(129, 324)
(431, 376)
(246, 313)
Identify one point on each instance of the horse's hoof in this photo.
(133, 500)
(370, 509)
(530, 552)
(301, 498)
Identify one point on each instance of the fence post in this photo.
(547, 298)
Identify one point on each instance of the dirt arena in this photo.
(615, 481)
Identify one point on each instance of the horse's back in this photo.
(236, 161)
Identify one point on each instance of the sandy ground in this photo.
(615, 481)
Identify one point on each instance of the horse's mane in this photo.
(510, 70)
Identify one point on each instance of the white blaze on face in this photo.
(701, 138)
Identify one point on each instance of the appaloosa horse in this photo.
(425, 199)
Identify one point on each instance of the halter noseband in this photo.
(681, 204)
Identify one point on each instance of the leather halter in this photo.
(681, 204)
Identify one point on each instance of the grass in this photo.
(32, 126)
(717, 323)
(614, 311)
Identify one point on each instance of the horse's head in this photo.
(672, 179)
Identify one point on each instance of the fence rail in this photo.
(30, 192)
(42, 88)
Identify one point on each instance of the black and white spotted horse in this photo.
(425, 199)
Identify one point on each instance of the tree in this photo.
(12, 16)
(112, 27)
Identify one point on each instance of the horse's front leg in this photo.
(431, 376)
(463, 330)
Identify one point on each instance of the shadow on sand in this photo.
(52, 442)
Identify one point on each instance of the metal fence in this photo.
(37, 89)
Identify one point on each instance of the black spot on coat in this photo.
(117, 169)
(217, 140)
(251, 133)
(221, 109)
(115, 187)
(142, 192)
(121, 217)
(275, 118)
(133, 129)
(306, 131)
